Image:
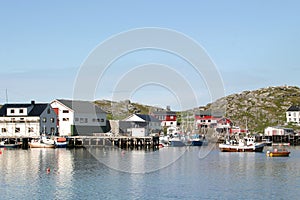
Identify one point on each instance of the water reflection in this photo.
(82, 174)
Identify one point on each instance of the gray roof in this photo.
(81, 106)
(294, 108)
(37, 110)
(148, 118)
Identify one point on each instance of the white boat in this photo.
(245, 144)
(43, 142)
(177, 142)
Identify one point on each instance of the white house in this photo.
(278, 131)
(293, 115)
(143, 125)
(27, 120)
(79, 117)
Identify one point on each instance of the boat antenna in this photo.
(6, 95)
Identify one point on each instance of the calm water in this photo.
(170, 173)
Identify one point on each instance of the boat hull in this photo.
(233, 148)
(41, 145)
(61, 144)
(278, 154)
(10, 146)
(176, 143)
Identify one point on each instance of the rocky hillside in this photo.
(122, 109)
(259, 108)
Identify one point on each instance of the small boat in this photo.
(61, 142)
(278, 153)
(246, 144)
(176, 142)
(198, 140)
(9, 146)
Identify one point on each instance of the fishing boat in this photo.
(245, 144)
(278, 153)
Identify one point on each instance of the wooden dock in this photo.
(124, 142)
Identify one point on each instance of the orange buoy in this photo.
(48, 170)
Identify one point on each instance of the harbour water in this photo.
(170, 173)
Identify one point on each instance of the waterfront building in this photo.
(207, 119)
(278, 131)
(167, 117)
(79, 117)
(27, 120)
(293, 115)
(143, 125)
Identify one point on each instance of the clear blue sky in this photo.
(254, 44)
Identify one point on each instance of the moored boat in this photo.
(43, 142)
(278, 153)
(9, 146)
(246, 144)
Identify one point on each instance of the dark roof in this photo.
(164, 112)
(37, 109)
(81, 106)
(210, 113)
(294, 108)
(148, 118)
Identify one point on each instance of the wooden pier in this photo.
(124, 142)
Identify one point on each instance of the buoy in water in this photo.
(48, 170)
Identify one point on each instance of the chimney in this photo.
(32, 102)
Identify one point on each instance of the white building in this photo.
(79, 117)
(293, 115)
(278, 131)
(27, 120)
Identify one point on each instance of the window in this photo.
(290, 114)
(30, 130)
(52, 130)
(81, 120)
(17, 130)
(22, 120)
(12, 111)
(21, 111)
(76, 119)
(171, 122)
(3, 130)
(94, 120)
(52, 120)
(44, 119)
(48, 111)
(65, 111)
(86, 120)
(65, 119)
(13, 120)
(102, 120)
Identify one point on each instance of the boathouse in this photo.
(27, 120)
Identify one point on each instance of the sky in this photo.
(45, 44)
